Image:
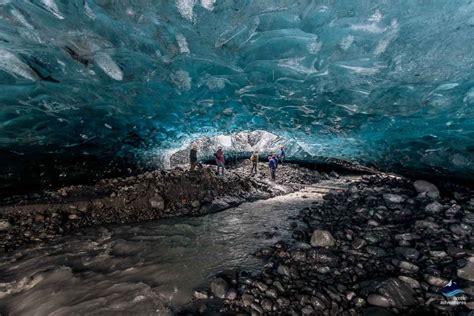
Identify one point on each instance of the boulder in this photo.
(399, 293)
(422, 186)
(322, 238)
(219, 287)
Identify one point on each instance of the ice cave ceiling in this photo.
(388, 83)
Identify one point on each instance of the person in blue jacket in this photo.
(282, 154)
(272, 164)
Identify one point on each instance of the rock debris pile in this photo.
(384, 246)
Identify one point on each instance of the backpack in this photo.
(253, 157)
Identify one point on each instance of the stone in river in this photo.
(219, 287)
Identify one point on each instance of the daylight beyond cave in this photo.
(388, 83)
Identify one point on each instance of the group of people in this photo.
(273, 161)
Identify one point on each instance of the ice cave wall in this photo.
(388, 83)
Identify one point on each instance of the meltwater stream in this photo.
(145, 268)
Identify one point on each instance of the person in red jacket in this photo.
(220, 161)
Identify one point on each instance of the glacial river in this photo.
(146, 268)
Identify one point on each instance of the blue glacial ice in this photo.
(388, 83)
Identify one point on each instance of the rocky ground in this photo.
(150, 196)
(384, 246)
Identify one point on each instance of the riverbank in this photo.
(383, 246)
(149, 267)
(149, 196)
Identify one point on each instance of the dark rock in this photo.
(4, 225)
(200, 294)
(375, 251)
(247, 299)
(378, 300)
(261, 286)
(430, 189)
(219, 287)
(358, 243)
(393, 198)
(231, 294)
(157, 202)
(435, 280)
(434, 208)
(407, 253)
(257, 307)
(267, 305)
(467, 272)
(414, 284)
(322, 238)
(377, 311)
(398, 293)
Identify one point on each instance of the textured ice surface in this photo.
(384, 82)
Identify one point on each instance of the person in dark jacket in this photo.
(272, 164)
(220, 161)
(193, 157)
(282, 154)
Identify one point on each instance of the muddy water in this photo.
(144, 268)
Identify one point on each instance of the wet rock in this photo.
(279, 286)
(267, 305)
(358, 243)
(271, 293)
(435, 280)
(219, 287)
(284, 270)
(422, 186)
(322, 238)
(375, 251)
(4, 225)
(317, 303)
(434, 208)
(460, 229)
(307, 310)
(257, 308)
(469, 219)
(378, 300)
(247, 299)
(407, 253)
(359, 302)
(467, 272)
(283, 302)
(414, 284)
(393, 198)
(399, 294)
(261, 286)
(200, 294)
(426, 224)
(408, 266)
(231, 294)
(438, 254)
(157, 202)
